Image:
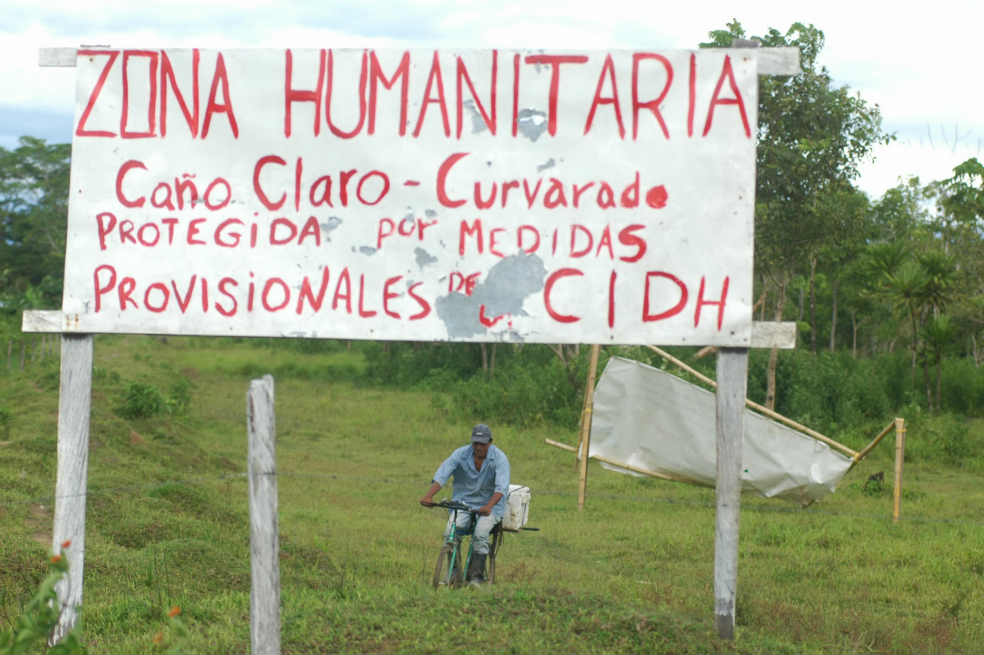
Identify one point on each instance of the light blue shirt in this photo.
(471, 486)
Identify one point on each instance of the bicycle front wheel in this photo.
(446, 575)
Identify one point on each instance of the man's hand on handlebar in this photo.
(428, 499)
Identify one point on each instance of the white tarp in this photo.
(649, 419)
(475, 195)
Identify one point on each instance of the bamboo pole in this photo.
(562, 446)
(899, 453)
(585, 415)
(585, 440)
(587, 407)
(759, 408)
(874, 442)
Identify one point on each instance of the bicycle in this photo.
(448, 571)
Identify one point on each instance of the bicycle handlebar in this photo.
(454, 504)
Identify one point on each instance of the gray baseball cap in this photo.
(481, 433)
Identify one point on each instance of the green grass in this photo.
(167, 525)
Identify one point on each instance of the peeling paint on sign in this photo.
(509, 283)
(532, 123)
(423, 257)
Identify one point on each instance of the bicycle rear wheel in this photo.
(444, 574)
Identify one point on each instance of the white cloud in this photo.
(925, 160)
(918, 65)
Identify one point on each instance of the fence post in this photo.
(74, 403)
(899, 455)
(732, 376)
(263, 530)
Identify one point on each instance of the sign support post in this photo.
(732, 376)
(264, 534)
(74, 404)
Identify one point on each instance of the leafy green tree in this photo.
(33, 211)
(959, 228)
(848, 211)
(900, 212)
(812, 137)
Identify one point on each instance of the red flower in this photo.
(174, 611)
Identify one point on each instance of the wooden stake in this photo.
(899, 454)
(580, 429)
(74, 404)
(732, 372)
(585, 440)
(263, 529)
(586, 411)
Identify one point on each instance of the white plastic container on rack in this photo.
(517, 507)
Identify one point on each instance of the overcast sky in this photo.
(921, 67)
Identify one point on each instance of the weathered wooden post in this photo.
(263, 528)
(74, 404)
(732, 378)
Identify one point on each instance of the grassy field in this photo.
(167, 526)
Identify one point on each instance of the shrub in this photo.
(963, 386)
(142, 401)
(180, 396)
(523, 394)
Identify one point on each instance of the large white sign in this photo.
(593, 197)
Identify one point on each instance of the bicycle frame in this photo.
(452, 545)
(452, 540)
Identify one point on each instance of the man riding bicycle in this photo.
(481, 480)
